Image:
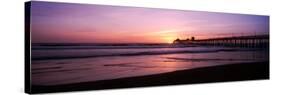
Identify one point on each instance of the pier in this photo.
(257, 41)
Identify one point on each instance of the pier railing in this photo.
(260, 41)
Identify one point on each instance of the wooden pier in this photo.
(257, 41)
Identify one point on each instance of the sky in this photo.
(88, 23)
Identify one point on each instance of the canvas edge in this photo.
(27, 18)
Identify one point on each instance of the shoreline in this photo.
(222, 73)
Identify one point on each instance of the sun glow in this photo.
(168, 39)
(168, 36)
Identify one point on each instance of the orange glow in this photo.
(168, 39)
(167, 36)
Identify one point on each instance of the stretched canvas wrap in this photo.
(72, 47)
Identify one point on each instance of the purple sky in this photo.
(87, 23)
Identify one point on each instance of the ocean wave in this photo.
(107, 47)
(143, 53)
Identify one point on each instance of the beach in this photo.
(222, 73)
(93, 67)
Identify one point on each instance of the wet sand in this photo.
(223, 73)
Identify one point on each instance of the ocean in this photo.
(56, 64)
